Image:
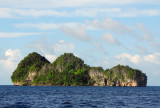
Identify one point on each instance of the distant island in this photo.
(69, 70)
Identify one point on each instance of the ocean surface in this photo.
(79, 97)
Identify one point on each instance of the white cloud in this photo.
(77, 33)
(147, 35)
(98, 47)
(133, 12)
(50, 57)
(112, 25)
(6, 13)
(153, 58)
(16, 34)
(141, 49)
(114, 12)
(12, 57)
(61, 41)
(41, 26)
(106, 24)
(110, 39)
(11, 12)
(134, 59)
(151, 12)
(69, 3)
(48, 26)
(51, 49)
(17, 13)
(38, 13)
(62, 47)
(8, 64)
(94, 12)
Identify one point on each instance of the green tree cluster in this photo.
(68, 70)
(33, 62)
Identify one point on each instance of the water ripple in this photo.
(78, 97)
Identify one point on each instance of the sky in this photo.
(101, 32)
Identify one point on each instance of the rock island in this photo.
(69, 70)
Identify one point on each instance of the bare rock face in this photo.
(46, 67)
(129, 83)
(27, 67)
(125, 76)
(30, 77)
(70, 70)
(98, 77)
(18, 83)
(118, 76)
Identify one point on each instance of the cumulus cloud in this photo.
(78, 33)
(8, 64)
(13, 55)
(62, 46)
(16, 34)
(134, 59)
(110, 39)
(51, 49)
(153, 58)
(50, 57)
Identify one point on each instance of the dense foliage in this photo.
(67, 78)
(67, 62)
(66, 70)
(69, 70)
(33, 62)
(123, 73)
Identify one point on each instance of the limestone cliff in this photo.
(97, 75)
(28, 68)
(125, 76)
(69, 70)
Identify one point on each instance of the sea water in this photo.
(79, 97)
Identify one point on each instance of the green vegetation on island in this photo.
(69, 70)
(33, 62)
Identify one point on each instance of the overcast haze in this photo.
(101, 32)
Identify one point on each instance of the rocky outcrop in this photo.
(30, 77)
(101, 80)
(128, 83)
(98, 77)
(69, 70)
(18, 83)
(125, 76)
